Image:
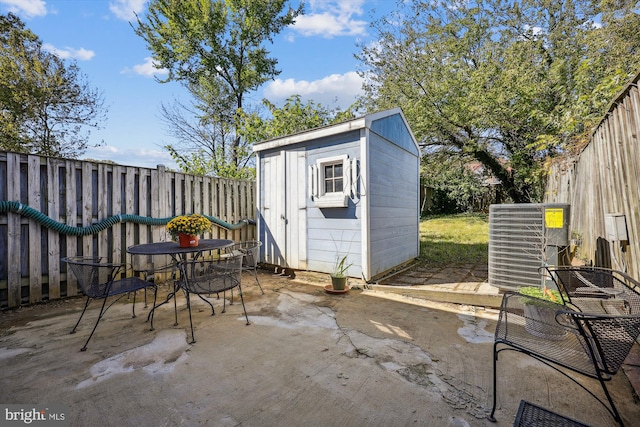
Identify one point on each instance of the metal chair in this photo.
(593, 344)
(251, 253)
(596, 289)
(98, 280)
(145, 266)
(151, 271)
(206, 277)
(533, 415)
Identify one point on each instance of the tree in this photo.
(46, 105)
(220, 42)
(200, 151)
(457, 187)
(292, 117)
(205, 135)
(501, 80)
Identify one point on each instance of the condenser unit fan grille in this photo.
(516, 245)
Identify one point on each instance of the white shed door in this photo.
(284, 209)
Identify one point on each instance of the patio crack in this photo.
(416, 366)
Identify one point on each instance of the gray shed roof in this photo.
(334, 129)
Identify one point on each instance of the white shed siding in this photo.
(393, 204)
(295, 208)
(271, 206)
(379, 226)
(334, 231)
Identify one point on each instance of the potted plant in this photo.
(185, 229)
(339, 274)
(540, 317)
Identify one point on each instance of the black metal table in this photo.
(174, 250)
(177, 254)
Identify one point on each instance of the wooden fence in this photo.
(81, 193)
(604, 179)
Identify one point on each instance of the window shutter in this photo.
(346, 176)
(313, 181)
(354, 178)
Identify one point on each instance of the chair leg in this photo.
(213, 312)
(86, 304)
(145, 298)
(224, 300)
(102, 310)
(175, 304)
(133, 308)
(193, 337)
(495, 362)
(255, 274)
(243, 307)
(612, 407)
(155, 297)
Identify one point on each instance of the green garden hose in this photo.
(29, 212)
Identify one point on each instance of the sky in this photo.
(315, 56)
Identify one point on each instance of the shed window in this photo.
(330, 182)
(333, 178)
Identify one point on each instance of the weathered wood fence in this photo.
(604, 179)
(81, 193)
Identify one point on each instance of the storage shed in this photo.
(346, 189)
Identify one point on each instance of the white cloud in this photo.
(27, 7)
(147, 69)
(81, 54)
(126, 9)
(148, 158)
(331, 18)
(336, 90)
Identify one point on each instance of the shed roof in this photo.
(333, 129)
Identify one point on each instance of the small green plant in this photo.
(341, 267)
(543, 293)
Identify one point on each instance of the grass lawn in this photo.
(454, 239)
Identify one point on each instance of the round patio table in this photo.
(175, 251)
(177, 254)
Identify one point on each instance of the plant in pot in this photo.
(339, 274)
(540, 316)
(185, 229)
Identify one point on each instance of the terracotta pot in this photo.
(187, 241)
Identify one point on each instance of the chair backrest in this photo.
(587, 282)
(212, 276)
(610, 337)
(251, 251)
(94, 274)
(153, 268)
(573, 278)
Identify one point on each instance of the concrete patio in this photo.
(372, 357)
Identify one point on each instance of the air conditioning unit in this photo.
(522, 238)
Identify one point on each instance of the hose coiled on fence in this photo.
(31, 213)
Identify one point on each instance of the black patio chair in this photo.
(98, 279)
(151, 271)
(251, 253)
(596, 289)
(206, 277)
(593, 344)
